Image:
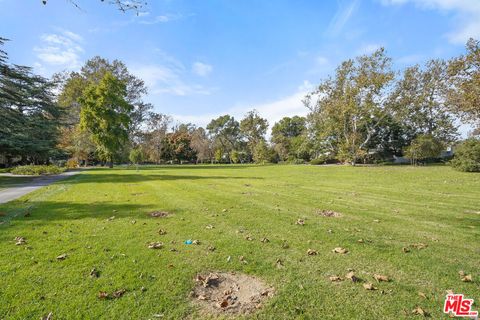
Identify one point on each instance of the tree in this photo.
(261, 153)
(423, 147)
(72, 86)
(105, 114)
(29, 115)
(225, 131)
(253, 127)
(419, 101)
(202, 145)
(347, 110)
(155, 135)
(464, 93)
(136, 156)
(467, 156)
(284, 135)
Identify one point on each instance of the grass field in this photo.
(388, 207)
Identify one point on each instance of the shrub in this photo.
(33, 170)
(423, 147)
(72, 163)
(323, 159)
(467, 156)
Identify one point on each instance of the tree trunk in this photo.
(110, 162)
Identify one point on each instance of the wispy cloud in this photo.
(273, 111)
(201, 69)
(163, 18)
(368, 48)
(341, 17)
(61, 50)
(169, 76)
(467, 15)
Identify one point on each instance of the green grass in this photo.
(433, 205)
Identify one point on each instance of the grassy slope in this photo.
(433, 205)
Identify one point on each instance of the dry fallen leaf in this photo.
(419, 311)
(162, 232)
(49, 316)
(340, 250)
(405, 250)
(209, 227)
(300, 222)
(196, 242)
(380, 278)
(361, 241)
(249, 238)
(279, 263)
(351, 276)
(419, 246)
(103, 295)
(155, 245)
(118, 293)
(312, 252)
(94, 273)
(423, 295)
(62, 256)
(369, 286)
(467, 278)
(111, 218)
(335, 278)
(285, 245)
(20, 241)
(242, 260)
(211, 248)
(265, 240)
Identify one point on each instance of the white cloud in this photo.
(273, 111)
(341, 17)
(321, 60)
(61, 49)
(467, 15)
(369, 48)
(169, 76)
(201, 69)
(161, 18)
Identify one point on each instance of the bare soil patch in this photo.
(230, 293)
(328, 213)
(159, 214)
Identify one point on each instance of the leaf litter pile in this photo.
(230, 293)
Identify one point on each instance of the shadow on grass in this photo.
(117, 177)
(18, 214)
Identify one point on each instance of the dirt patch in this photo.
(2, 214)
(230, 293)
(159, 214)
(328, 213)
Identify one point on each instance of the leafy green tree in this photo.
(72, 86)
(154, 138)
(467, 156)
(29, 117)
(136, 156)
(347, 110)
(253, 127)
(105, 114)
(285, 134)
(423, 147)
(464, 92)
(225, 131)
(419, 101)
(202, 145)
(262, 153)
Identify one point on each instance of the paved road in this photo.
(21, 189)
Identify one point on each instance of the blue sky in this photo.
(201, 59)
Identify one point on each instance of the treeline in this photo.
(364, 113)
